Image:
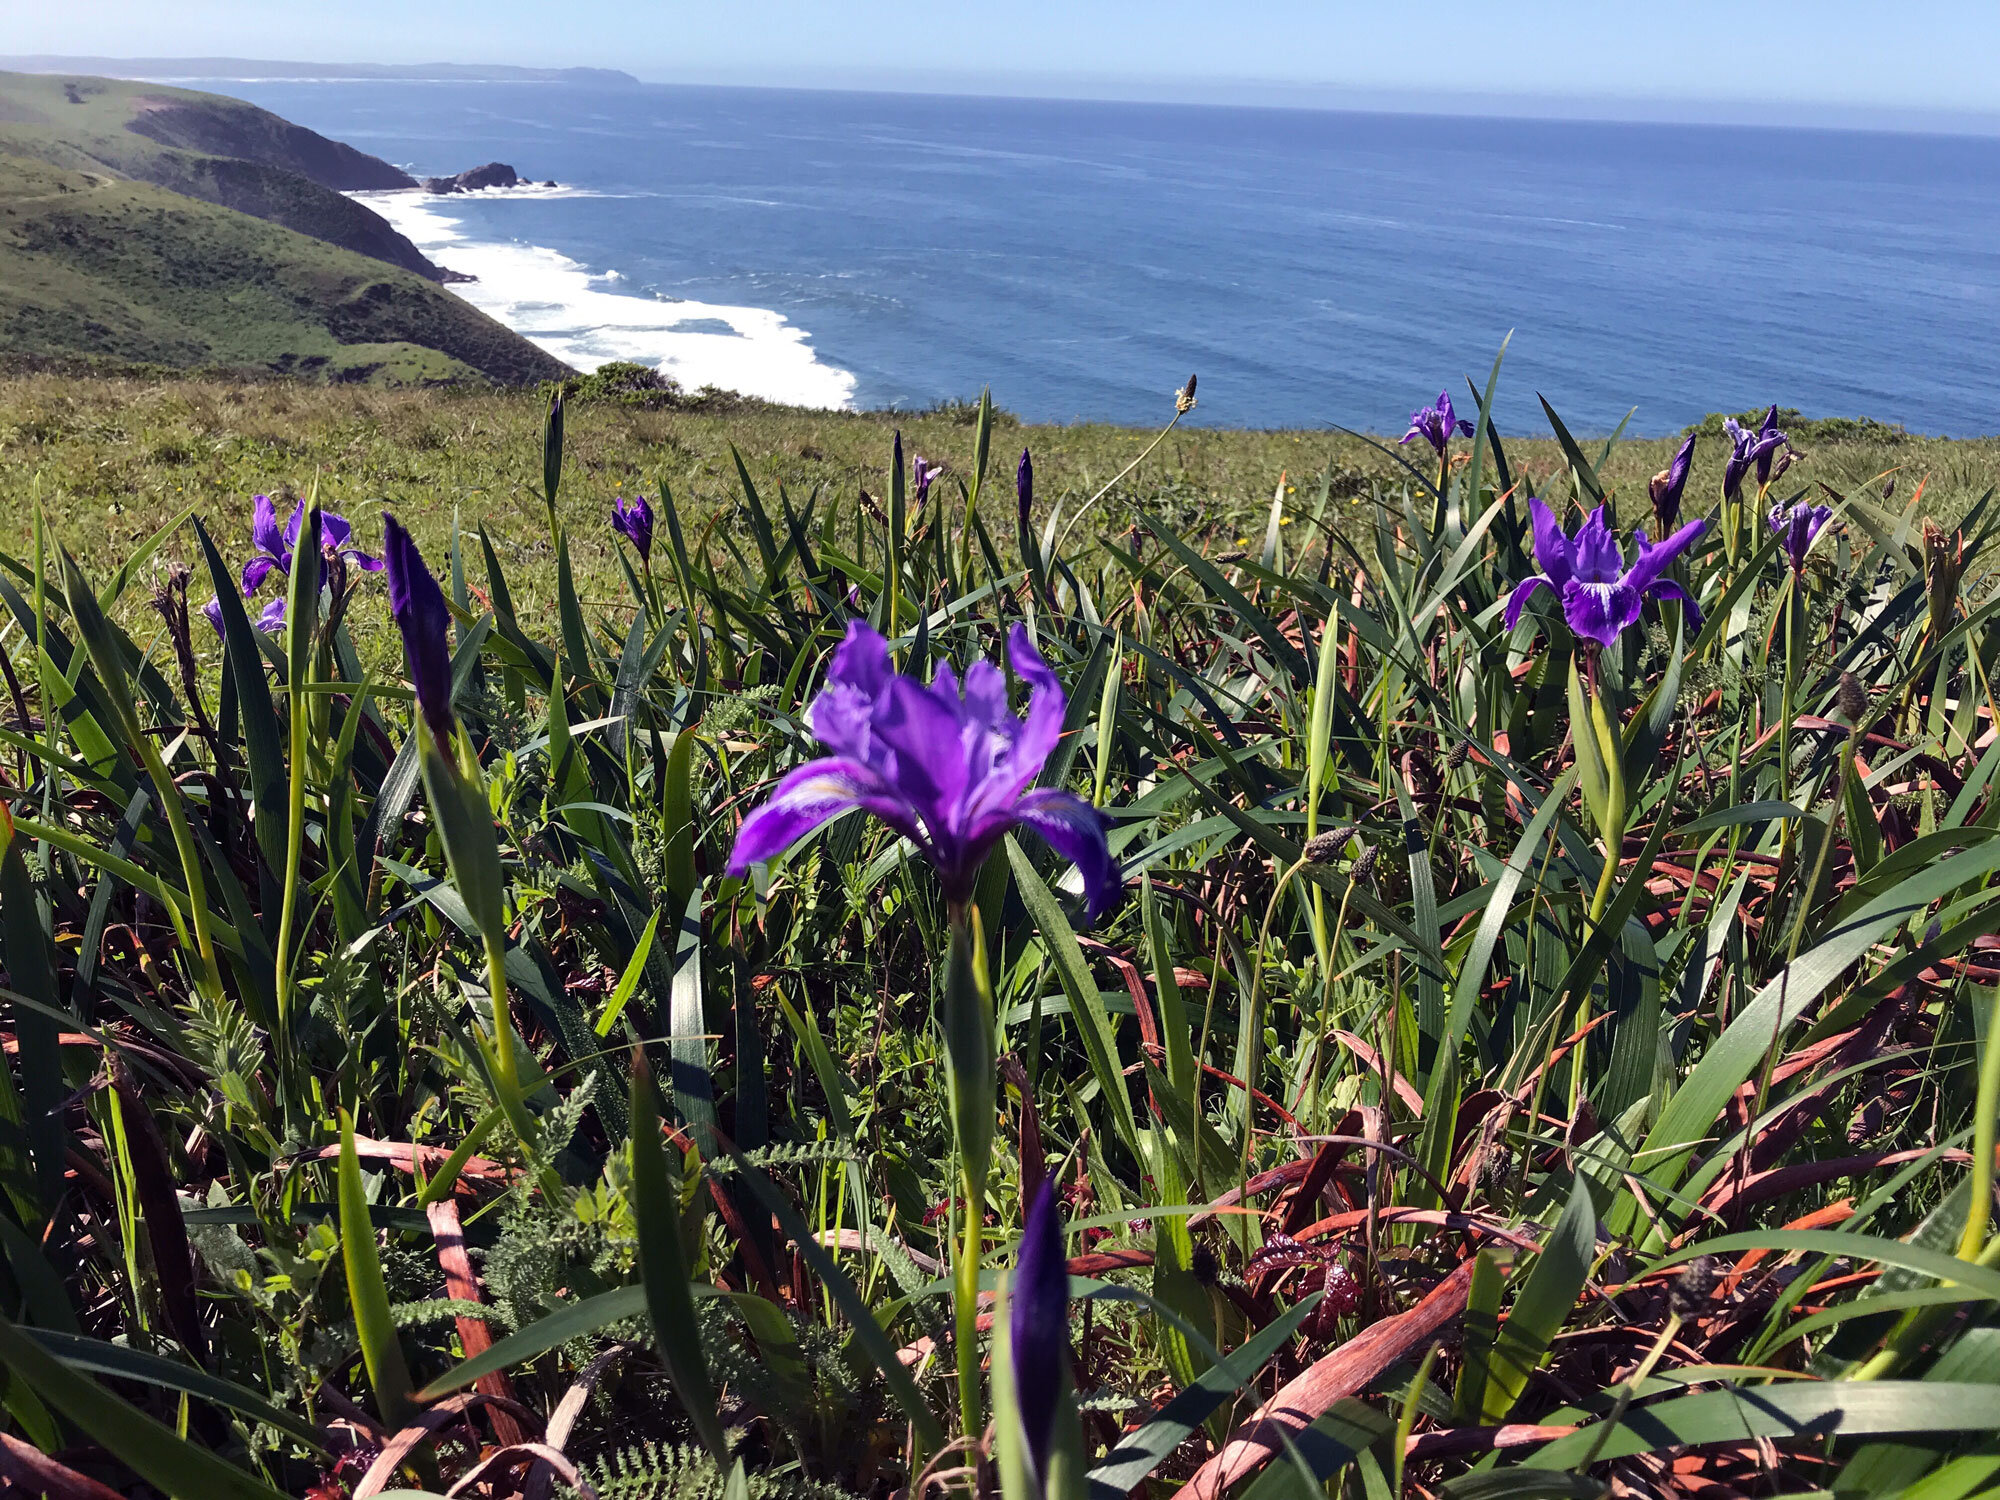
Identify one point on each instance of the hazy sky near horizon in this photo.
(1924, 55)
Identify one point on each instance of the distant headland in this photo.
(167, 69)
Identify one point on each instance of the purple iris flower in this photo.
(1038, 1326)
(1435, 424)
(925, 474)
(1024, 487)
(1600, 594)
(417, 603)
(274, 546)
(947, 767)
(271, 621)
(1799, 525)
(633, 520)
(1666, 486)
(1749, 448)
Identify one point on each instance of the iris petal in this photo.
(1600, 611)
(1666, 588)
(1036, 739)
(861, 661)
(1595, 550)
(815, 794)
(1652, 561)
(929, 766)
(1552, 549)
(1076, 831)
(255, 572)
(1517, 601)
(265, 535)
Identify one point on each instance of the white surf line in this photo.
(569, 310)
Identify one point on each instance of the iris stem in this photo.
(295, 831)
(1611, 746)
(1082, 510)
(506, 1070)
(971, 1074)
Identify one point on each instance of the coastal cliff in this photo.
(130, 233)
(220, 150)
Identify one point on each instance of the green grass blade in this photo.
(1544, 1303)
(628, 982)
(1809, 1412)
(367, 1293)
(156, 1453)
(96, 1357)
(1138, 1453)
(1093, 1023)
(656, 1213)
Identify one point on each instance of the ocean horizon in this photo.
(1315, 267)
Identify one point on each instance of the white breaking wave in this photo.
(570, 311)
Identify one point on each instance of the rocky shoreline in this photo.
(494, 174)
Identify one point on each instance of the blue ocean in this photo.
(1314, 267)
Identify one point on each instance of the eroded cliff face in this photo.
(235, 155)
(207, 146)
(230, 127)
(152, 225)
(283, 197)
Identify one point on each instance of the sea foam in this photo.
(571, 311)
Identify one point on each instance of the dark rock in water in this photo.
(550, 183)
(493, 174)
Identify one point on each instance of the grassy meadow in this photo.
(134, 452)
(1374, 1029)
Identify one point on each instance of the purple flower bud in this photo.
(212, 612)
(924, 472)
(1038, 1326)
(1799, 525)
(1769, 440)
(633, 520)
(1666, 486)
(422, 617)
(1024, 487)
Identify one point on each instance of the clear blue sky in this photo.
(1691, 56)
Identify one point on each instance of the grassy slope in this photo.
(220, 150)
(94, 266)
(133, 453)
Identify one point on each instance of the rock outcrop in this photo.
(495, 174)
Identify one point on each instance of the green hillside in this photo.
(125, 271)
(220, 150)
